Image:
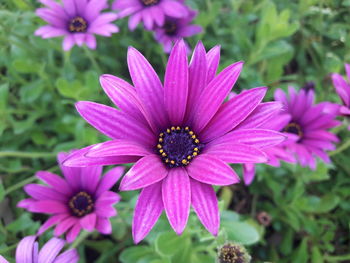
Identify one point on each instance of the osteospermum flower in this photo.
(150, 12)
(310, 124)
(80, 200)
(77, 21)
(180, 135)
(28, 252)
(343, 89)
(175, 29)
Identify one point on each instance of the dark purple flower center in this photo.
(149, 2)
(77, 24)
(231, 254)
(177, 146)
(294, 128)
(170, 28)
(81, 204)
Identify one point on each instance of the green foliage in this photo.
(282, 43)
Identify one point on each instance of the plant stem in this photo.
(92, 59)
(27, 154)
(341, 148)
(4, 250)
(337, 258)
(84, 235)
(20, 184)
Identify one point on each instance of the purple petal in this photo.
(109, 179)
(174, 9)
(134, 20)
(69, 7)
(50, 250)
(176, 83)
(205, 204)
(261, 115)
(90, 41)
(72, 174)
(48, 206)
(25, 203)
(69, 256)
(176, 193)
(211, 170)
(259, 138)
(68, 42)
(90, 177)
(93, 9)
(325, 145)
(3, 260)
(64, 225)
(41, 192)
(79, 159)
(190, 30)
(214, 94)
(104, 226)
(57, 182)
(145, 172)
(248, 173)
(88, 222)
(24, 251)
(114, 123)
(117, 148)
(73, 233)
(105, 211)
(52, 221)
(107, 198)
(213, 59)
(233, 113)
(148, 209)
(148, 86)
(236, 153)
(197, 77)
(342, 88)
(322, 135)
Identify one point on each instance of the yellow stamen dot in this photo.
(195, 154)
(196, 141)
(189, 157)
(160, 140)
(161, 151)
(159, 146)
(193, 137)
(195, 149)
(190, 132)
(173, 128)
(161, 134)
(172, 162)
(178, 128)
(168, 131)
(163, 154)
(187, 128)
(184, 161)
(167, 160)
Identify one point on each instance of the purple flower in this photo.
(77, 21)
(151, 12)
(80, 200)
(180, 135)
(175, 29)
(28, 252)
(343, 89)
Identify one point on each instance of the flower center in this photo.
(149, 2)
(177, 146)
(170, 27)
(77, 24)
(231, 254)
(294, 128)
(81, 204)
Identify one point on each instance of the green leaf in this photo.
(301, 255)
(168, 243)
(2, 191)
(133, 254)
(242, 232)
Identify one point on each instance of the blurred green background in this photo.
(283, 43)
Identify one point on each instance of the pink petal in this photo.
(248, 173)
(214, 94)
(134, 20)
(213, 59)
(52, 221)
(93, 9)
(105, 211)
(342, 88)
(145, 172)
(114, 123)
(90, 177)
(90, 41)
(69, 256)
(41, 192)
(148, 209)
(107, 198)
(104, 226)
(236, 153)
(174, 9)
(57, 182)
(197, 77)
(24, 251)
(72, 174)
(116, 148)
(88, 222)
(73, 233)
(64, 225)
(233, 113)
(176, 83)
(205, 204)
(50, 250)
(109, 179)
(148, 86)
(48, 207)
(68, 42)
(259, 138)
(211, 170)
(176, 193)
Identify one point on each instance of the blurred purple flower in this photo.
(80, 200)
(77, 21)
(151, 12)
(175, 29)
(180, 135)
(343, 89)
(28, 252)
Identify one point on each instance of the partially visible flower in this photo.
(175, 29)
(77, 21)
(28, 252)
(309, 124)
(80, 200)
(181, 135)
(264, 218)
(150, 12)
(233, 253)
(343, 89)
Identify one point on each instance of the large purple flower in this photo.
(77, 20)
(180, 135)
(175, 29)
(343, 89)
(151, 12)
(80, 200)
(28, 252)
(309, 123)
